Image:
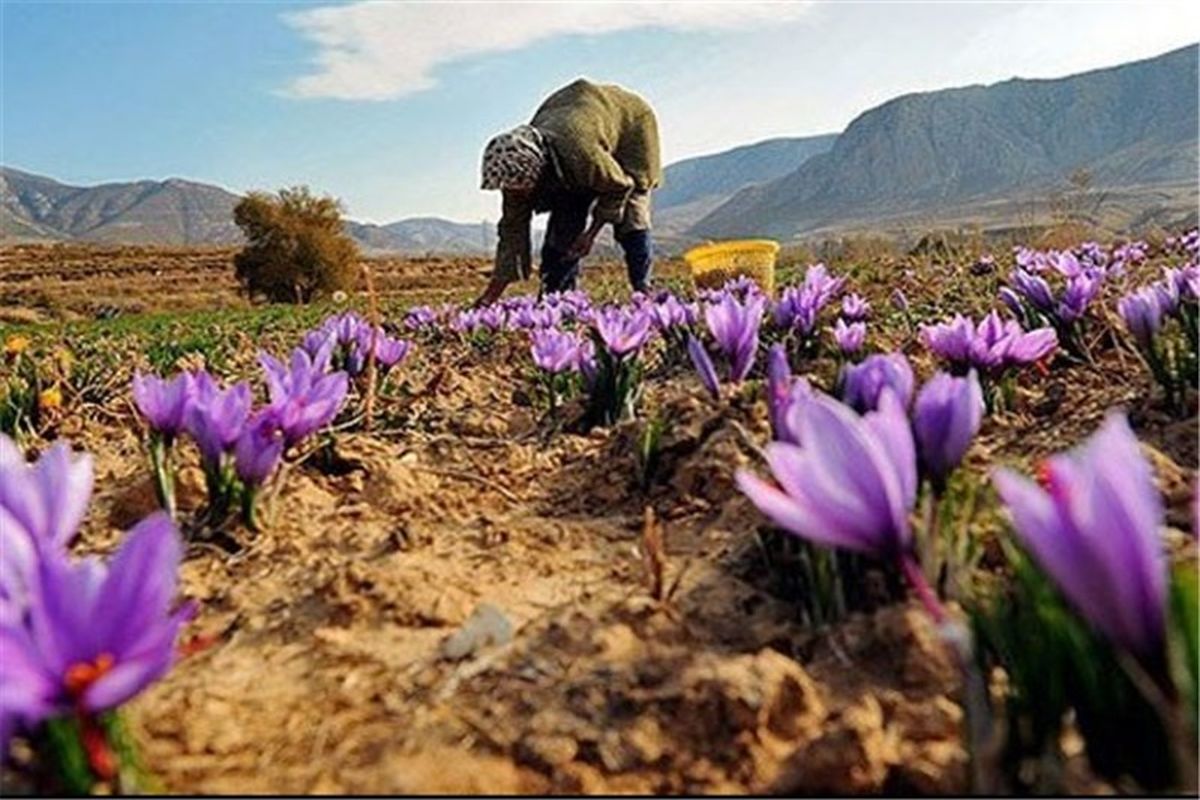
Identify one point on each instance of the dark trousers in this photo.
(568, 219)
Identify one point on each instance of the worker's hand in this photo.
(582, 245)
(492, 293)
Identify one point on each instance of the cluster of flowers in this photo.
(240, 447)
(605, 347)
(850, 330)
(419, 318)
(79, 637)
(1031, 298)
(1175, 295)
(848, 473)
(345, 342)
(734, 325)
(1187, 244)
(522, 313)
(847, 476)
(800, 306)
(1090, 257)
(1146, 313)
(993, 347)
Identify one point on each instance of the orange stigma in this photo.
(80, 676)
(1043, 474)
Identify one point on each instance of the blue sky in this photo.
(387, 105)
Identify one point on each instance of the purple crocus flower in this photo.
(950, 340)
(554, 350)
(704, 366)
(899, 300)
(797, 310)
(779, 383)
(863, 384)
(799, 306)
(1078, 294)
(850, 484)
(1142, 313)
(1029, 348)
(585, 361)
(855, 308)
(850, 338)
(992, 341)
(946, 417)
(1187, 282)
(419, 317)
(215, 417)
(622, 332)
(1095, 529)
(734, 326)
(388, 351)
(992, 346)
(667, 313)
(1034, 289)
(1168, 293)
(822, 286)
(493, 317)
(784, 395)
(303, 398)
(47, 499)
(1012, 301)
(163, 402)
(1066, 262)
(259, 449)
(320, 345)
(95, 634)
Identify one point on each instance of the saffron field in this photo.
(907, 526)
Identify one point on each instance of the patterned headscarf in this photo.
(514, 158)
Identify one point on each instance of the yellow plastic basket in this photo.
(716, 263)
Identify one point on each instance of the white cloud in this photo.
(382, 51)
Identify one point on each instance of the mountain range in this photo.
(1132, 128)
(977, 154)
(183, 212)
(179, 212)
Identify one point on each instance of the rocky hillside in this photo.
(1129, 126)
(143, 212)
(695, 186)
(179, 212)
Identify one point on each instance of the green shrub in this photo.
(296, 248)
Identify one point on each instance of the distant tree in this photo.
(296, 248)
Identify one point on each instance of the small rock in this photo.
(617, 643)
(937, 718)
(487, 626)
(547, 751)
(765, 691)
(645, 741)
(933, 768)
(852, 756)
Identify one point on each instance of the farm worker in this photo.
(590, 148)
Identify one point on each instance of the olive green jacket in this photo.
(603, 140)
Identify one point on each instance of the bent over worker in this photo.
(590, 149)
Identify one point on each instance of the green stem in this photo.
(164, 476)
(250, 516)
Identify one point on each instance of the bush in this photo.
(296, 248)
